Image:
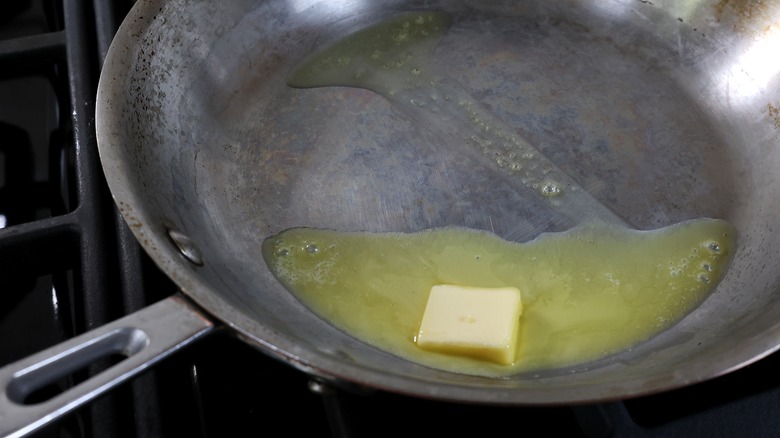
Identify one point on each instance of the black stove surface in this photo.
(68, 264)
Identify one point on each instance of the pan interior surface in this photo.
(662, 112)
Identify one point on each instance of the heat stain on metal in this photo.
(745, 15)
(774, 113)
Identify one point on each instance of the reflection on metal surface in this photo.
(755, 69)
(613, 9)
(327, 7)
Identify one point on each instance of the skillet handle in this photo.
(143, 337)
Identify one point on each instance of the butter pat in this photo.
(482, 323)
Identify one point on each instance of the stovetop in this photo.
(68, 263)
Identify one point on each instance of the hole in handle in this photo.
(31, 385)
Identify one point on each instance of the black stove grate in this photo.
(59, 242)
(68, 263)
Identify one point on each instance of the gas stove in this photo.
(68, 263)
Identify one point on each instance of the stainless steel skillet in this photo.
(662, 111)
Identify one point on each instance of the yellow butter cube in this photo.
(470, 321)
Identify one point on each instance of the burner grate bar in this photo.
(33, 51)
(36, 247)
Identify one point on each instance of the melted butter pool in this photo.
(595, 290)
(587, 293)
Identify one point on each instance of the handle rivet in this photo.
(186, 247)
